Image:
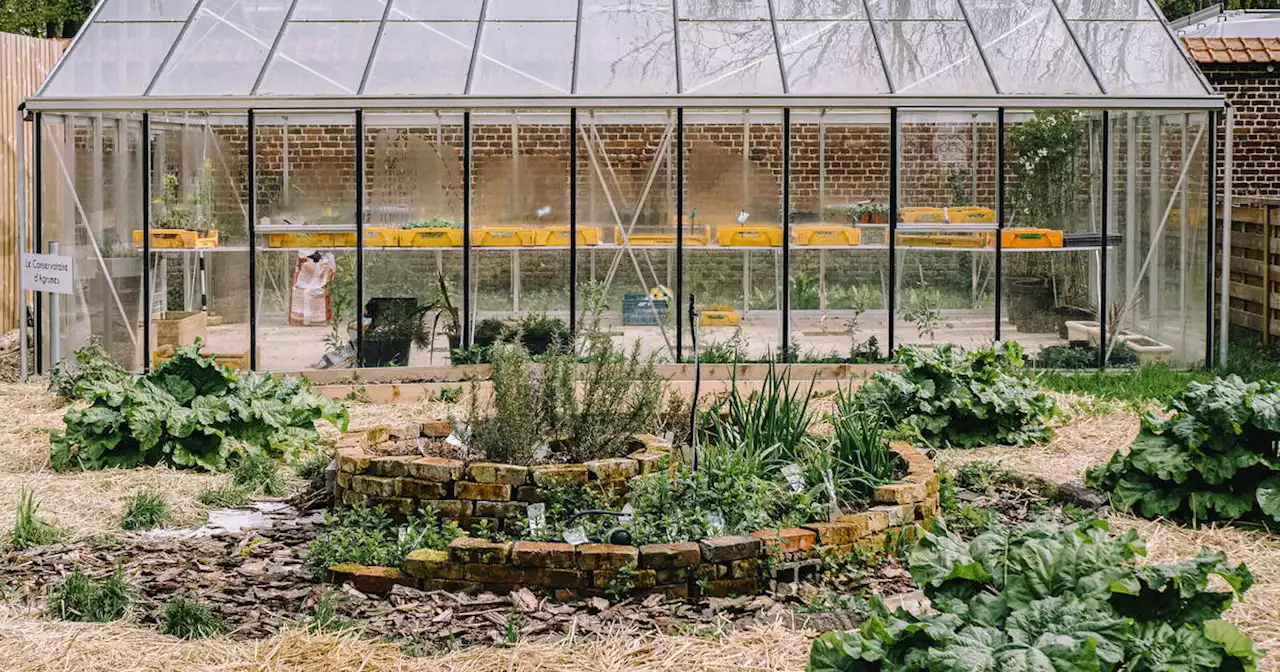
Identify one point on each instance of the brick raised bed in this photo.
(498, 493)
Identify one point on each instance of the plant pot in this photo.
(388, 352)
(1086, 331)
(1147, 350)
(1028, 300)
(540, 343)
(1066, 313)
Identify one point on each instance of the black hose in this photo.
(697, 381)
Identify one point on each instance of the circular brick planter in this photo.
(500, 494)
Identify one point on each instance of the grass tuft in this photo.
(259, 474)
(312, 469)
(145, 510)
(79, 598)
(190, 619)
(225, 497)
(29, 529)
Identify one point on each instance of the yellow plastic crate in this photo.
(971, 215)
(949, 240)
(924, 215)
(699, 237)
(1030, 238)
(168, 239)
(377, 236)
(300, 240)
(749, 236)
(438, 237)
(826, 235)
(558, 236)
(503, 236)
(719, 316)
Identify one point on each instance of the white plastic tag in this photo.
(537, 519)
(715, 522)
(743, 216)
(834, 505)
(794, 477)
(625, 518)
(576, 536)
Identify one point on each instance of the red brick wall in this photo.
(1254, 90)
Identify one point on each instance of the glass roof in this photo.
(155, 50)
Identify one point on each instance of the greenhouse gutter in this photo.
(471, 102)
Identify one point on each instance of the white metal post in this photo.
(1225, 299)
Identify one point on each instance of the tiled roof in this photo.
(1234, 49)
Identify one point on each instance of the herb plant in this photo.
(189, 619)
(368, 536)
(1040, 596)
(1211, 456)
(946, 396)
(191, 412)
(768, 426)
(29, 528)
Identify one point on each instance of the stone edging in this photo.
(717, 567)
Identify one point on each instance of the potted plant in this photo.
(447, 313)
(539, 332)
(395, 326)
(870, 213)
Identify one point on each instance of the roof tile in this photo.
(1234, 49)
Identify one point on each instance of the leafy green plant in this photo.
(769, 425)
(368, 536)
(87, 369)
(922, 307)
(622, 584)
(226, 496)
(258, 474)
(29, 529)
(191, 412)
(856, 455)
(325, 617)
(805, 292)
(1047, 178)
(77, 597)
(145, 510)
(189, 619)
(1210, 456)
(945, 396)
(1042, 596)
(311, 469)
(450, 394)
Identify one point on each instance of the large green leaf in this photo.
(1268, 496)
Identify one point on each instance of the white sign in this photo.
(46, 273)
(794, 477)
(537, 519)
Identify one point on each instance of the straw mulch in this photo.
(32, 643)
(1086, 439)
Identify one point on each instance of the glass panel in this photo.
(305, 237)
(454, 10)
(92, 188)
(339, 10)
(733, 263)
(413, 232)
(632, 52)
(820, 9)
(831, 57)
(525, 58)
(223, 50)
(532, 10)
(1108, 9)
(198, 169)
(839, 256)
(422, 58)
(520, 167)
(729, 57)
(626, 199)
(1137, 59)
(915, 9)
(724, 10)
(933, 58)
(146, 10)
(114, 59)
(945, 246)
(320, 58)
(1029, 48)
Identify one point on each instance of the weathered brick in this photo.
(437, 429)
(429, 564)
(897, 514)
(353, 460)
(675, 591)
(899, 493)
(450, 509)
(744, 569)
(439, 469)
(559, 475)
(648, 461)
(489, 492)
(932, 485)
(343, 479)
(371, 580)
(730, 587)
(670, 556)
(861, 523)
(928, 509)
(501, 509)
(400, 506)
(677, 575)
(544, 554)
(449, 585)
(834, 533)
(495, 573)
(479, 551)
(874, 543)
(726, 549)
(652, 442)
(353, 498)
(606, 556)
(613, 469)
(553, 577)
(790, 540)
(413, 487)
(492, 472)
(639, 579)
(406, 431)
(374, 486)
(529, 494)
(375, 435)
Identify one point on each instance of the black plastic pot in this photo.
(1029, 301)
(388, 352)
(540, 343)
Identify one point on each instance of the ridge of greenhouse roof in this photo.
(266, 54)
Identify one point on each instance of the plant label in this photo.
(543, 211)
(715, 523)
(834, 502)
(743, 216)
(575, 536)
(47, 273)
(794, 477)
(625, 518)
(537, 519)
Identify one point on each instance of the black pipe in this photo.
(1102, 251)
(573, 222)
(697, 381)
(893, 226)
(466, 230)
(253, 241)
(785, 305)
(38, 247)
(147, 157)
(360, 180)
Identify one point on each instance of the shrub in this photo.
(29, 529)
(1040, 596)
(89, 368)
(191, 412)
(190, 619)
(1211, 456)
(79, 598)
(368, 536)
(145, 510)
(259, 474)
(948, 397)
(224, 497)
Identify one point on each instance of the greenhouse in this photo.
(310, 184)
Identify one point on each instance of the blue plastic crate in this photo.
(642, 310)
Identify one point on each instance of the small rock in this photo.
(598, 604)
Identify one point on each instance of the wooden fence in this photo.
(24, 62)
(1255, 266)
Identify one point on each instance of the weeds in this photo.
(258, 473)
(190, 619)
(225, 497)
(87, 369)
(368, 536)
(79, 598)
(325, 618)
(450, 394)
(29, 529)
(312, 468)
(768, 426)
(145, 510)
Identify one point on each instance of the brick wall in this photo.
(1254, 90)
